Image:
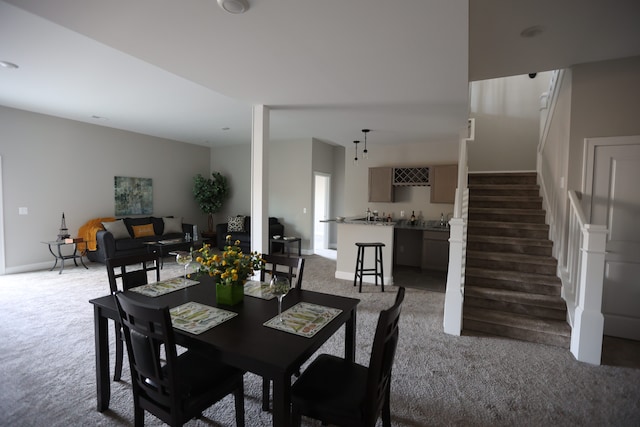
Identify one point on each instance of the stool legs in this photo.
(376, 271)
(359, 267)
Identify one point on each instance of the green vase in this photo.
(229, 295)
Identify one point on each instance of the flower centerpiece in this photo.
(230, 269)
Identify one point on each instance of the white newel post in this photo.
(588, 327)
(454, 296)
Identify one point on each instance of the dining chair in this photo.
(337, 391)
(173, 388)
(292, 268)
(125, 273)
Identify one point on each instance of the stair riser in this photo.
(510, 179)
(507, 204)
(507, 232)
(508, 248)
(504, 192)
(516, 333)
(533, 218)
(511, 307)
(522, 267)
(510, 285)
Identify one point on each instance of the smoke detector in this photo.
(234, 6)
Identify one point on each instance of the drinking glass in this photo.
(279, 286)
(184, 258)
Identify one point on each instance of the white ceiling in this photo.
(185, 69)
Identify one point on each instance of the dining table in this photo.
(244, 340)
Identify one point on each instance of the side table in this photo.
(287, 242)
(58, 255)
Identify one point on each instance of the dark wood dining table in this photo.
(243, 341)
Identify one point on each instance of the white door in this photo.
(322, 186)
(615, 202)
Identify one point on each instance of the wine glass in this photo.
(279, 286)
(184, 258)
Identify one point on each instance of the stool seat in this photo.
(376, 271)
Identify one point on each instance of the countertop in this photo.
(402, 224)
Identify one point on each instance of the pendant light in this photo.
(355, 159)
(365, 152)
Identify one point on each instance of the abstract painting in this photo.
(133, 196)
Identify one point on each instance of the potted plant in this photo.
(210, 193)
(230, 269)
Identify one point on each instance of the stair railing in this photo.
(582, 275)
(454, 295)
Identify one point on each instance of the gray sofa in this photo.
(125, 243)
(244, 236)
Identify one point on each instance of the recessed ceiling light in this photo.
(7, 64)
(234, 6)
(533, 31)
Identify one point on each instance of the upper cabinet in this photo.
(381, 184)
(444, 180)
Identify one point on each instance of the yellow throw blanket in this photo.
(88, 232)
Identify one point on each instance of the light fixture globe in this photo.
(234, 6)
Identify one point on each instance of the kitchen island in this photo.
(424, 245)
(355, 231)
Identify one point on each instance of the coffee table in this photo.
(165, 247)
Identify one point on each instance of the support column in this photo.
(259, 179)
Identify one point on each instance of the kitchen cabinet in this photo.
(435, 250)
(381, 184)
(407, 247)
(444, 180)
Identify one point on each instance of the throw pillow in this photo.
(118, 229)
(172, 225)
(143, 230)
(235, 224)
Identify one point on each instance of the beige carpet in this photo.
(47, 375)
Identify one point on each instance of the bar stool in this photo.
(361, 271)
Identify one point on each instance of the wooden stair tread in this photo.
(540, 279)
(538, 300)
(511, 211)
(480, 238)
(500, 224)
(496, 198)
(521, 258)
(519, 321)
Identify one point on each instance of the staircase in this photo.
(511, 288)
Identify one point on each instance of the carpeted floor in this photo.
(47, 371)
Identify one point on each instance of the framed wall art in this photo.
(133, 196)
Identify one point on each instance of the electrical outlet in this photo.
(304, 210)
(23, 211)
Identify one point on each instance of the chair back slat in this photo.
(132, 271)
(383, 353)
(291, 267)
(147, 330)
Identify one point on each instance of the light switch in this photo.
(23, 211)
(304, 210)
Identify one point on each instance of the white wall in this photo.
(53, 165)
(507, 122)
(234, 162)
(605, 101)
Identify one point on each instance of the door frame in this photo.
(326, 208)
